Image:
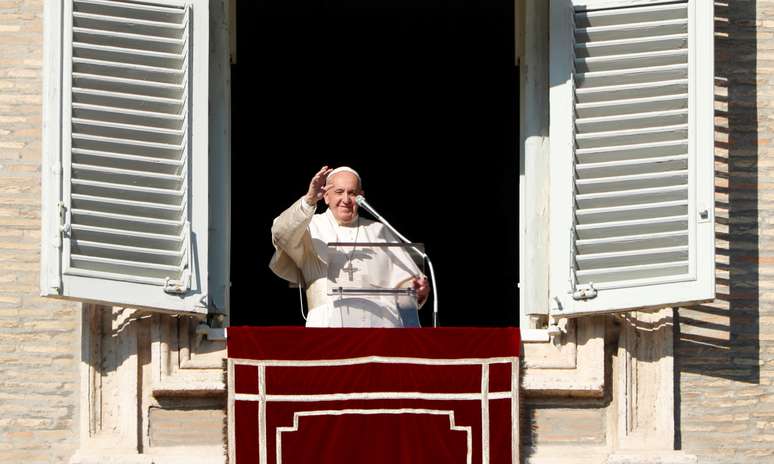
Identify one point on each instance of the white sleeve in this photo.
(289, 230)
(306, 207)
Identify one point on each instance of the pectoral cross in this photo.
(350, 270)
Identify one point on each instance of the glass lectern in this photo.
(371, 283)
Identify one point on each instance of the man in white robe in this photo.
(302, 255)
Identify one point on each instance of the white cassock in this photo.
(301, 239)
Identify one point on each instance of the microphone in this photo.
(361, 202)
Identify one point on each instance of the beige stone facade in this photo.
(81, 383)
(39, 338)
(725, 349)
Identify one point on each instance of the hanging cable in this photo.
(301, 297)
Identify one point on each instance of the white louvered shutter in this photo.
(631, 154)
(133, 204)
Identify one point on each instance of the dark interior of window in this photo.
(420, 97)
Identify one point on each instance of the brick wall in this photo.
(725, 349)
(39, 341)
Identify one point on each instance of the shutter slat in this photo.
(635, 151)
(120, 25)
(178, 253)
(124, 202)
(137, 143)
(84, 142)
(130, 162)
(171, 88)
(132, 57)
(632, 242)
(128, 207)
(177, 132)
(615, 16)
(110, 50)
(632, 182)
(631, 136)
(129, 132)
(128, 253)
(127, 116)
(126, 222)
(129, 218)
(174, 118)
(650, 74)
(632, 257)
(133, 177)
(630, 162)
(128, 100)
(632, 166)
(141, 192)
(627, 46)
(631, 60)
(124, 37)
(124, 6)
(639, 226)
(114, 68)
(121, 266)
(627, 30)
(108, 38)
(147, 99)
(633, 197)
(140, 256)
(632, 106)
(631, 90)
(127, 237)
(130, 23)
(632, 121)
(632, 212)
(128, 277)
(125, 132)
(624, 275)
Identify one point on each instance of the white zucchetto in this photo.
(344, 169)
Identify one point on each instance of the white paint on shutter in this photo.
(129, 228)
(627, 144)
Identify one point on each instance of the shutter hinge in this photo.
(584, 292)
(65, 219)
(184, 284)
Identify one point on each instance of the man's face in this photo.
(340, 196)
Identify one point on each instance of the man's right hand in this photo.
(317, 186)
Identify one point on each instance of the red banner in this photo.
(301, 395)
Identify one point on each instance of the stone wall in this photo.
(39, 338)
(725, 349)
